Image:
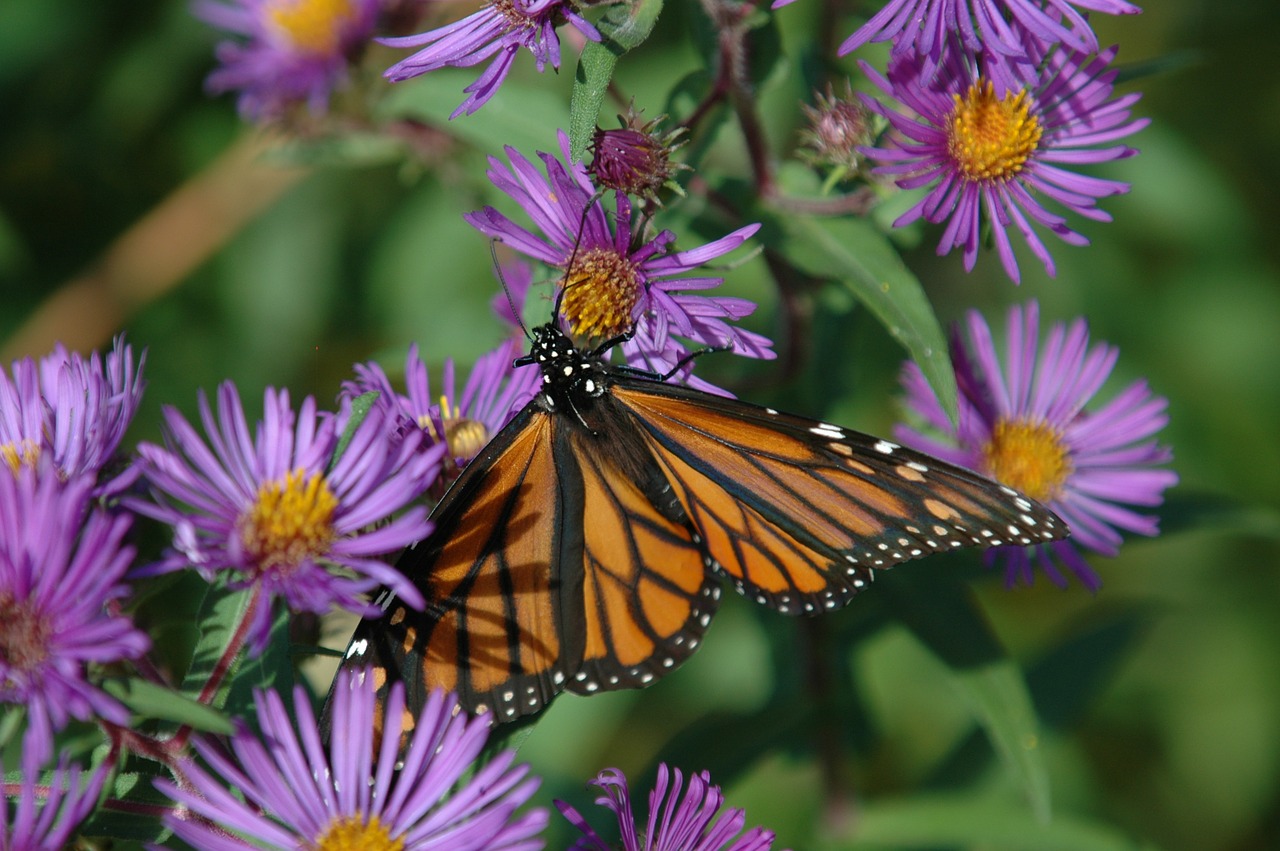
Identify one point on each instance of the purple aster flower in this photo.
(613, 285)
(45, 815)
(989, 137)
(70, 411)
(691, 823)
(274, 508)
(1025, 424)
(289, 51)
(464, 421)
(498, 30)
(362, 791)
(61, 563)
(924, 27)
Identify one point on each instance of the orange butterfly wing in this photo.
(797, 513)
(547, 570)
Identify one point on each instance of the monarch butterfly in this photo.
(583, 549)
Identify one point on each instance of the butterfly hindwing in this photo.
(798, 514)
(648, 595)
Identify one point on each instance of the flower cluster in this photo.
(366, 789)
(62, 562)
(1026, 425)
(70, 413)
(286, 52)
(618, 282)
(997, 104)
(275, 509)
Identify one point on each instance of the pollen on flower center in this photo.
(600, 291)
(24, 635)
(1029, 456)
(516, 17)
(290, 522)
(23, 453)
(990, 138)
(312, 27)
(463, 436)
(353, 833)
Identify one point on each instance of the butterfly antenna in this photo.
(573, 255)
(511, 300)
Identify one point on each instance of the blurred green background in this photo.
(1169, 728)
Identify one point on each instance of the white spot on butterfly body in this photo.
(885, 447)
(358, 648)
(824, 430)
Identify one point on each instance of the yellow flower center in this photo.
(991, 139)
(1028, 456)
(23, 453)
(353, 833)
(290, 522)
(600, 291)
(313, 27)
(24, 635)
(464, 436)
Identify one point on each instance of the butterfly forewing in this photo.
(494, 627)
(798, 513)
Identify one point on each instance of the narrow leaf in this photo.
(623, 27)
(855, 253)
(154, 701)
(360, 407)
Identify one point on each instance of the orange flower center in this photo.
(600, 291)
(313, 27)
(990, 138)
(1030, 457)
(290, 522)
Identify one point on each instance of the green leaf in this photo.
(947, 620)
(155, 701)
(977, 822)
(132, 810)
(624, 27)
(360, 407)
(273, 668)
(855, 253)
